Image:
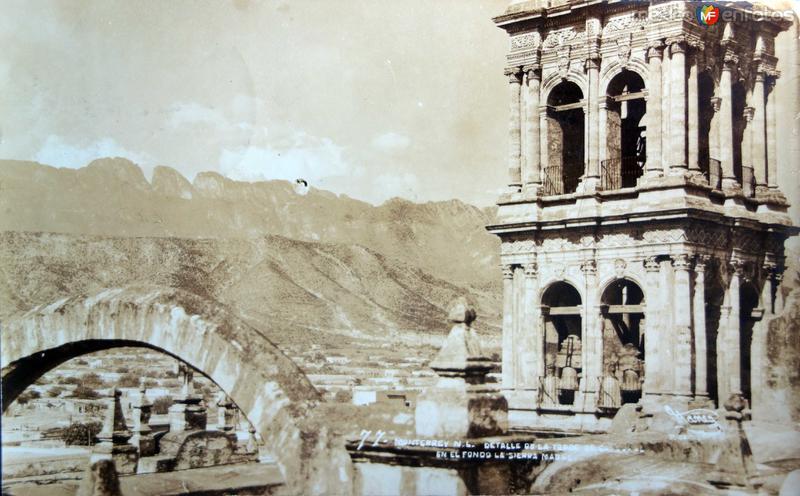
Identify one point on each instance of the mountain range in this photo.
(298, 266)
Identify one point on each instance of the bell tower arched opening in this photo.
(626, 144)
(561, 304)
(566, 154)
(623, 342)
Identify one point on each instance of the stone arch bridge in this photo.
(267, 386)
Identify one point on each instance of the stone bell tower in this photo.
(643, 227)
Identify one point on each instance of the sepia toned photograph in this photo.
(412, 248)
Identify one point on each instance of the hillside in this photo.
(292, 290)
(112, 197)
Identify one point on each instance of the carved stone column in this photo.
(602, 120)
(731, 380)
(544, 156)
(532, 176)
(666, 112)
(699, 322)
(652, 384)
(592, 353)
(693, 114)
(726, 123)
(677, 65)
(654, 130)
(514, 129)
(747, 150)
(772, 142)
(532, 332)
(682, 306)
(778, 305)
(713, 131)
(508, 327)
(759, 133)
(747, 137)
(592, 173)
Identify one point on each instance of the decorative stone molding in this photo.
(589, 267)
(564, 60)
(677, 44)
(593, 26)
(561, 37)
(525, 41)
(531, 269)
(700, 262)
(514, 75)
(624, 49)
(655, 49)
(517, 246)
(508, 272)
(533, 71)
(651, 264)
(619, 268)
(682, 262)
(625, 22)
(665, 12)
(738, 266)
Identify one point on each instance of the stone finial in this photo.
(461, 404)
(101, 480)
(114, 427)
(461, 353)
(461, 312)
(733, 461)
(113, 438)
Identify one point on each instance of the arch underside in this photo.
(267, 386)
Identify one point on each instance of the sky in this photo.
(369, 98)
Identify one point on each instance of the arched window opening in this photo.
(565, 138)
(623, 343)
(626, 139)
(561, 305)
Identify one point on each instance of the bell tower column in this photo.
(654, 131)
(699, 321)
(514, 131)
(508, 327)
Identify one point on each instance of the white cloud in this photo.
(58, 153)
(391, 141)
(193, 113)
(307, 157)
(403, 184)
